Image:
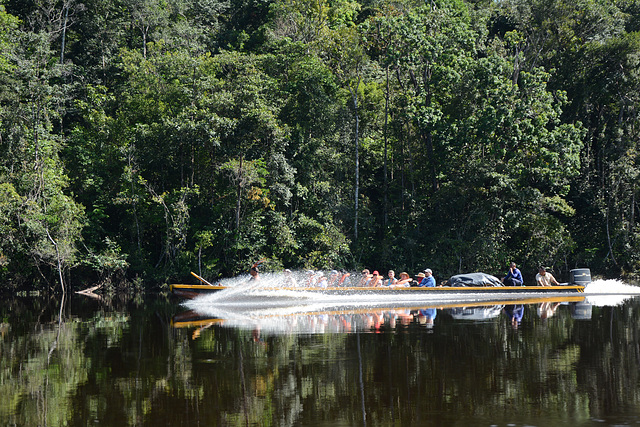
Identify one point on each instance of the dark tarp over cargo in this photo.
(474, 279)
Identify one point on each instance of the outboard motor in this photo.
(580, 276)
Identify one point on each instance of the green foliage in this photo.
(8, 25)
(110, 264)
(178, 135)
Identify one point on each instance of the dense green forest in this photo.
(143, 139)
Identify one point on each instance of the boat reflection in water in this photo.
(287, 312)
(581, 310)
(476, 313)
(296, 319)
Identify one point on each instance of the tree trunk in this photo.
(144, 44)
(354, 96)
(613, 257)
(64, 33)
(55, 245)
(427, 133)
(386, 121)
(239, 194)
(633, 210)
(429, 143)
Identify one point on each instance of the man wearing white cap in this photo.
(428, 281)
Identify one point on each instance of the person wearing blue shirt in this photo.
(513, 277)
(428, 281)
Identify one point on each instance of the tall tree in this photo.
(48, 218)
(348, 59)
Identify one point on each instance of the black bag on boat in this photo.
(474, 279)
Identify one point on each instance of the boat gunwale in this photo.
(177, 286)
(561, 288)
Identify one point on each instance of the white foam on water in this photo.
(610, 287)
(610, 292)
(257, 296)
(607, 300)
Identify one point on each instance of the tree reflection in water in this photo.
(143, 364)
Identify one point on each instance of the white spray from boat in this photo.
(609, 292)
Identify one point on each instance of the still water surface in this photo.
(160, 362)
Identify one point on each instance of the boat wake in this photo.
(609, 292)
(611, 287)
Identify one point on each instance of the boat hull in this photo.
(192, 291)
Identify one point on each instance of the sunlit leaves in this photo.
(310, 21)
(8, 24)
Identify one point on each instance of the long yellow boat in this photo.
(579, 278)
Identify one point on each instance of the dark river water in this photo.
(157, 361)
